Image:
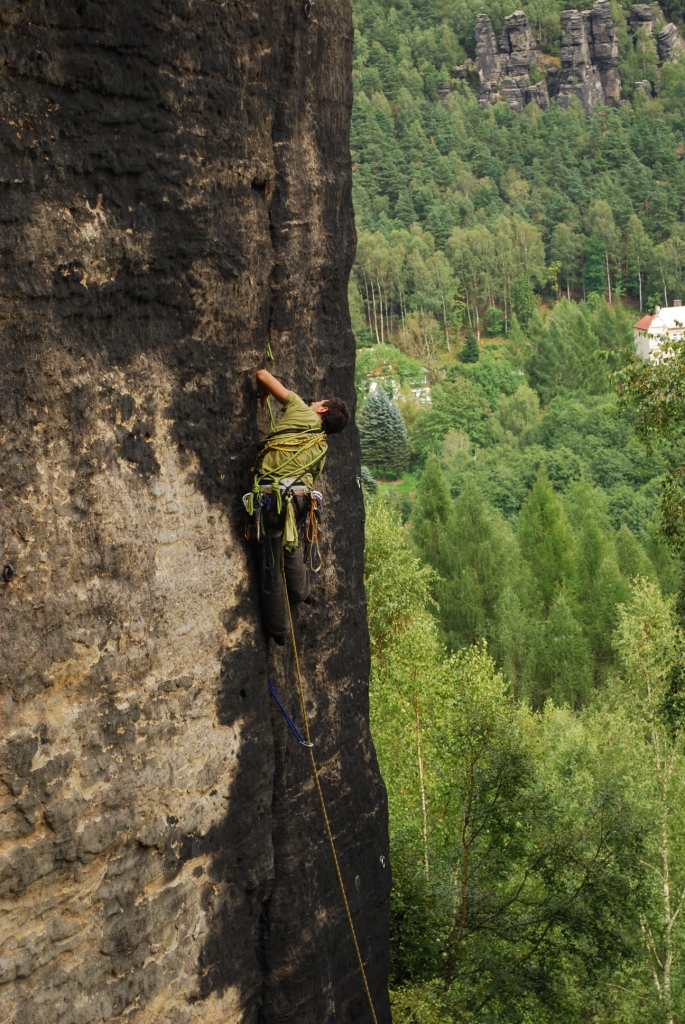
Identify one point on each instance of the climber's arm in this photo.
(267, 384)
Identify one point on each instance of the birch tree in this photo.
(638, 250)
(649, 645)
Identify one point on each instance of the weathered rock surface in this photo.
(642, 16)
(176, 194)
(539, 94)
(669, 42)
(605, 51)
(504, 70)
(462, 71)
(645, 86)
(516, 44)
(589, 58)
(487, 60)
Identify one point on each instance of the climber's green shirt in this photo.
(297, 417)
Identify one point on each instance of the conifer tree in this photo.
(599, 588)
(470, 352)
(564, 668)
(383, 435)
(369, 484)
(633, 560)
(478, 555)
(594, 270)
(546, 539)
(431, 514)
(568, 356)
(523, 300)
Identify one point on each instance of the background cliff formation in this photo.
(588, 65)
(175, 194)
(589, 61)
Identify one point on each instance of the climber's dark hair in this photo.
(336, 416)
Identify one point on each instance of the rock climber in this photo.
(289, 462)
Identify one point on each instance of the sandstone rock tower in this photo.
(504, 69)
(589, 58)
(176, 195)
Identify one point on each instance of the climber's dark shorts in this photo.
(271, 590)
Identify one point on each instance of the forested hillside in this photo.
(457, 206)
(525, 522)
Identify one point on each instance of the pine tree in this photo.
(567, 356)
(404, 209)
(470, 352)
(599, 588)
(383, 435)
(369, 485)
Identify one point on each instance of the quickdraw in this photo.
(313, 531)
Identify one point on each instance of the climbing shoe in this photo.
(310, 601)
(279, 638)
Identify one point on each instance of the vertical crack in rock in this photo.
(176, 193)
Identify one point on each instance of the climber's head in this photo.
(333, 413)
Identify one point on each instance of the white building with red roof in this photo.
(653, 334)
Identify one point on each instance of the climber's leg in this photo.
(296, 572)
(297, 575)
(271, 589)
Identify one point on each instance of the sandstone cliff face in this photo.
(589, 58)
(605, 51)
(176, 194)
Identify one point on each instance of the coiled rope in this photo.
(315, 773)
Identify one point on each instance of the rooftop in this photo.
(666, 318)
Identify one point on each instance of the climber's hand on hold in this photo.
(267, 385)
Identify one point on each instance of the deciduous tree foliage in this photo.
(655, 391)
(517, 840)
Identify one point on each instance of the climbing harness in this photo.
(329, 831)
(266, 500)
(291, 725)
(290, 443)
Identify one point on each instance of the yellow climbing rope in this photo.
(315, 773)
(285, 441)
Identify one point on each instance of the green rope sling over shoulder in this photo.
(291, 444)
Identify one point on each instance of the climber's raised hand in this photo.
(267, 384)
